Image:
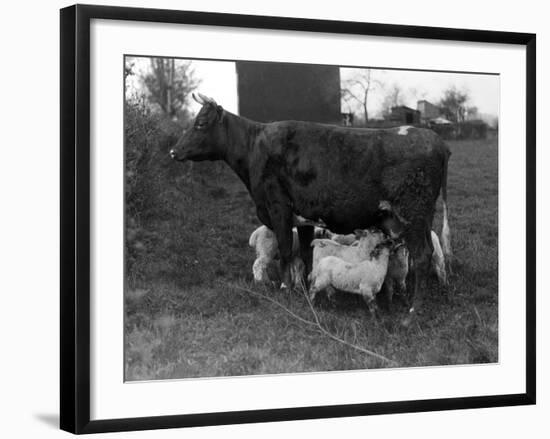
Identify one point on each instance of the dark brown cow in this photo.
(322, 172)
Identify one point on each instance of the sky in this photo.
(219, 81)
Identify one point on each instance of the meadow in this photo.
(192, 309)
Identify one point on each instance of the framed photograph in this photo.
(268, 218)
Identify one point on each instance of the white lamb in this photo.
(364, 278)
(398, 267)
(368, 240)
(264, 241)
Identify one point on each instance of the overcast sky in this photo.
(219, 80)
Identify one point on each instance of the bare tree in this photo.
(359, 87)
(472, 112)
(453, 104)
(393, 98)
(169, 83)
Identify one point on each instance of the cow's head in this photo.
(204, 140)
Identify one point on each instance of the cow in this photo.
(331, 174)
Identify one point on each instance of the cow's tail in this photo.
(446, 230)
(253, 238)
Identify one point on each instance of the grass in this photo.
(187, 313)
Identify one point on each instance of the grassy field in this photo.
(189, 314)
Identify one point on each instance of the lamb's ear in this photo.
(359, 233)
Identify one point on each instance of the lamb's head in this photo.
(369, 237)
(390, 220)
(321, 233)
(383, 248)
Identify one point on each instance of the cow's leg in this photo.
(281, 220)
(305, 235)
(421, 255)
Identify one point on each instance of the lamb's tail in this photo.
(446, 230)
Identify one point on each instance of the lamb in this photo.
(263, 240)
(398, 269)
(389, 219)
(368, 240)
(364, 278)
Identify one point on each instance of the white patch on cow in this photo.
(403, 130)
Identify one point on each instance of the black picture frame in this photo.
(75, 217)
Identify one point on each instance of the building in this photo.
(428, 111)
(403, 115)
(271, 91)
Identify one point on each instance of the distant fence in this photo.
(472, 129)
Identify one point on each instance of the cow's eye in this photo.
(200, 125)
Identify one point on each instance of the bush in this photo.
(169, 205)
(148, 139)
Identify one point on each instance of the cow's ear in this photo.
(221, 113)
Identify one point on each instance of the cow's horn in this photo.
(198, 99)
(206, 99)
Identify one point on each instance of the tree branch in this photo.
(317, 323)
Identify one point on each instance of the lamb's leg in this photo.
(389, 288)
(313, 290)
(330, 292)
(370, 299)
(372, 306)
(319, 282)
(259, 270)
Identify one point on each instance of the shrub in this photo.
(148, 138)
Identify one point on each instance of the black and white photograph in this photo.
(275, 219)
(286, 218)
